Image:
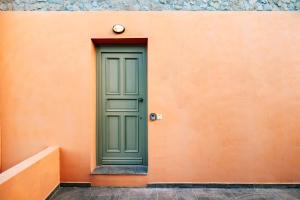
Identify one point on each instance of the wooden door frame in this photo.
(112, 49)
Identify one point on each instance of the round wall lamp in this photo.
(118, 28)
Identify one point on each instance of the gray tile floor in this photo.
(99, 193)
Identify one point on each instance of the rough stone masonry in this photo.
(145, 5)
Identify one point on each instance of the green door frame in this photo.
(99, 107)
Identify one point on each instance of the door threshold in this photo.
(120, 170)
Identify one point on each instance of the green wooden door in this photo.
(122, 105)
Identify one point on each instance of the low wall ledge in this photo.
(13, 171)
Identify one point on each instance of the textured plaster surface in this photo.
(155, 5)
(227, 84)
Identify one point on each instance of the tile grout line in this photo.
(176, 194)
(193, 190)
(128, 194)
(91, 193)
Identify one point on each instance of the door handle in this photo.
(141, 99)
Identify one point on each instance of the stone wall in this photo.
(145, 5)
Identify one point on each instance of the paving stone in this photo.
(185, 194)
(166, 194)
(113, 197)
(98, 193)
(103, 193)
(236, 192)
(217, 194)
(72, 193)
(142, 193)
(289, 194)
(260, 194)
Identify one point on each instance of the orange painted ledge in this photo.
(34, 178)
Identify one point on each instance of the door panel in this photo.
(112, 75)
(112, 134)
(131, 76)
(122, 106)
(131, 134)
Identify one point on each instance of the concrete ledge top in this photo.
(11, 172)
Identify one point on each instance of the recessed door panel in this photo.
(122, 106)
(131, 76)
(112, 133)
(112, 75)
(131, 134)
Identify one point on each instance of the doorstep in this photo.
(120, 170)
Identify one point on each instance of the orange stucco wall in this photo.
(32, 179)
(0, 152)
(227, 84)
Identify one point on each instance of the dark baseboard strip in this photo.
(75, 185)
(183, 185)
(53, 192)
(220, 185)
